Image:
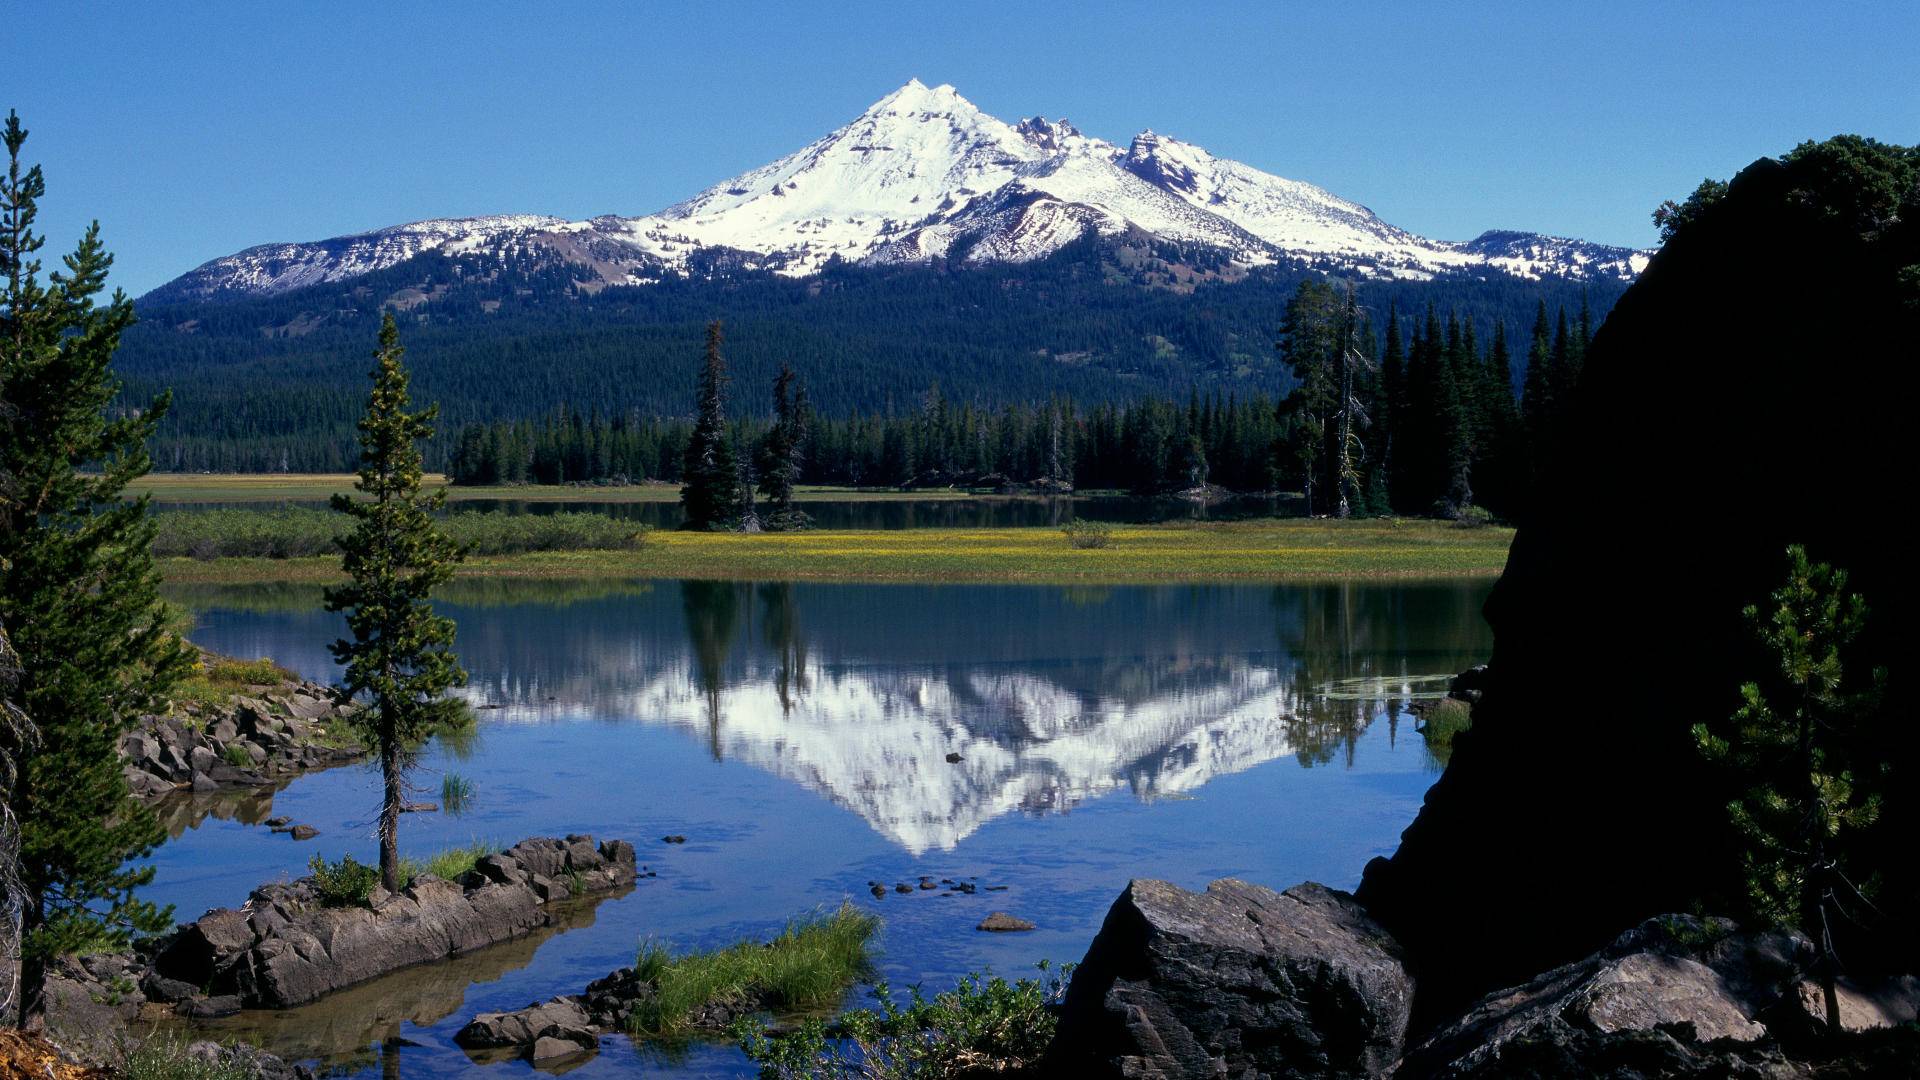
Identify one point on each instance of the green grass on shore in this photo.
(809, 966)
(1273, 550)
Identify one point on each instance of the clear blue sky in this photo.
(194, 130)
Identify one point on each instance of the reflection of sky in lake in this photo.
(798, 735)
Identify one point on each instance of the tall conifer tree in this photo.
(78, 592)
(400, 657)
(711, 488)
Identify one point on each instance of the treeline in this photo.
(275, 382)
(1147, 446)
(1423, 419)
(1431, 421)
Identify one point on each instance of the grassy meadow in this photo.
(1270, 550)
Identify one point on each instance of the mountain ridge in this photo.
(922, 176)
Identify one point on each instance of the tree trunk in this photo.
(32, 989)
(390, 812)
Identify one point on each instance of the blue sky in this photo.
(194, 130)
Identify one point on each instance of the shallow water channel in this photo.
(797, 735)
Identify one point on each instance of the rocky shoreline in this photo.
(1243, 981)
(284, 947)
(265, 733)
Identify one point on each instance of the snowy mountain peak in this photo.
(918, 97)
(922, 174)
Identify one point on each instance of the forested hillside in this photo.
(275, 383)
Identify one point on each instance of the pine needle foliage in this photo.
(1800, 749)
(711, 492)
(400, 656)
(78, 590)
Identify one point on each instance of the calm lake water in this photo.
(797, 736)
(986, 512)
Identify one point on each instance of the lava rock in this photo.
(1237, 981)
(1659, 993)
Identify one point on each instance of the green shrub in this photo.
(980, 1027)
(1472, 517)
(809, 965)
(165, 1057)
(237, 756)
(346, 883)
(1082, 533)
(1447, 718)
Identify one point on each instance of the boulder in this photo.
(550, 1048)
(563, 1018)
(1865, 1004)
(1237, 981)
(1681, 994)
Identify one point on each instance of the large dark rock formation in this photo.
(1682, 995)
(1741, 397)
(1237, 981)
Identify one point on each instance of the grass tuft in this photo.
(456, 794)
(449, 864)
(808, 966)
(165, 1057)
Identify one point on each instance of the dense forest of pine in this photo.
(1437, 417)
(274, 383)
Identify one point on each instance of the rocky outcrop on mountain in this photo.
(1565, 817)
(1237, 981)
(268, 732)
(285, 947)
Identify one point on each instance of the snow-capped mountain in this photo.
(921, 175)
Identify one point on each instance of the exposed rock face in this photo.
(1566, 816)
(283, 948)
(1664, 988)
(1239, 981)
(284, 730)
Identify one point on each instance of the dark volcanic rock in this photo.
(1659, 994)
(274, 735)
(563, 1018)
(284, 948)
(1566, 817)
(1239, 981)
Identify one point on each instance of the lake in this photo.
(797, 736)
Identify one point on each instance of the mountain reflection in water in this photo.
(1050, 697)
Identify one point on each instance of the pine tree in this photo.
(1805, 750)
(783, 449)
(711, 491)
(78, 592)
(16, 730)
(1501, 482)
(1536, 396)
(400, 658)
(1393, 391)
